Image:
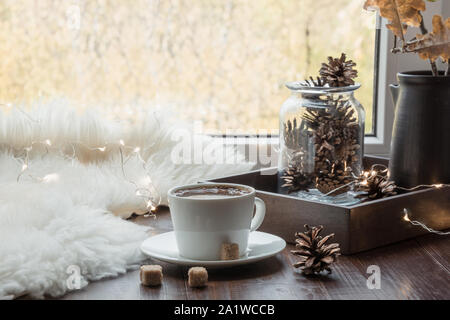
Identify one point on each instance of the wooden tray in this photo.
(358, 227)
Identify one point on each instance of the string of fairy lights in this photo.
(377, 170)
(381, 171)
(146, 193)
(420, 224)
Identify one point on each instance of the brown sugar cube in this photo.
(151, 275)
(229, 251)
(197, 277)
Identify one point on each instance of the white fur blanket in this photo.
(67, 207)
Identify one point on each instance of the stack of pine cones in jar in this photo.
(334, 133)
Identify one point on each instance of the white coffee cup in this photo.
(202, 224)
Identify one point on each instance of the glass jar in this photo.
(321, 142)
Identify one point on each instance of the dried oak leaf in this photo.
(433, 44)
(400, 13)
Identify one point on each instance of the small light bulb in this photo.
(150, 205)
(366, 174)
(51, 177)
(374, 173)
(364, 183)
(405, 217)
(121, 142)
(439, 185)
(102, 149)
(24, 167)
(48, 142)
(137, 149)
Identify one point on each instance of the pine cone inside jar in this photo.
(315, 255)
(335, 133)
(295, 179)
(311, 82)
(338, 72)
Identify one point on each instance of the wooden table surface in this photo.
(412, 269)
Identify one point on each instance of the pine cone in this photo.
(338, 72)
(295, 179)
(315, 255)
(375, 185)
(335, 132)
(311, 82)
(292, 134)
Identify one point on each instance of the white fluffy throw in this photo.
(65, 211)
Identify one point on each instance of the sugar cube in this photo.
(151, 275)
(229, 251)
(197, 277)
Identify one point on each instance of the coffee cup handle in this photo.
(259, 214)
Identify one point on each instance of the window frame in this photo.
(379, 143)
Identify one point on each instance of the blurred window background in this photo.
(224, 62)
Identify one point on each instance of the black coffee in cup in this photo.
(213, 192)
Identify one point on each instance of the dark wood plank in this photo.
(413, 269)
(407, 272)
(437, 247)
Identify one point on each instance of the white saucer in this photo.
(261, 246)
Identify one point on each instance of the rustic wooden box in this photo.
(358, 227)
